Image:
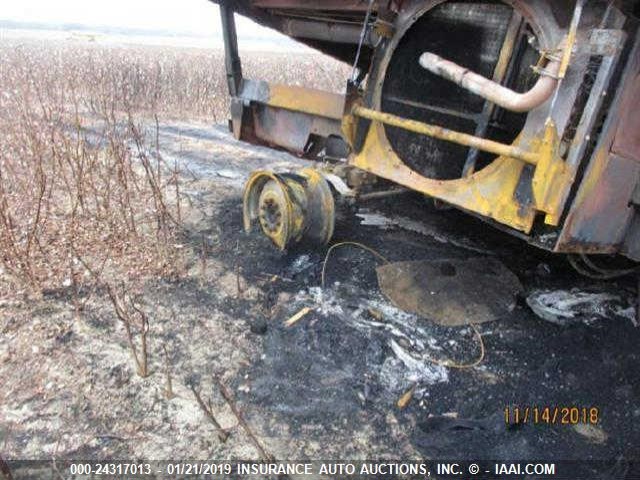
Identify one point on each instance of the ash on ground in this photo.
(327, 386)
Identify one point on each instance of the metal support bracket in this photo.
(232, 58)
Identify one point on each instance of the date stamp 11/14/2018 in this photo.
(552, 415)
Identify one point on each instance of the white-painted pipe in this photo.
(492, 91)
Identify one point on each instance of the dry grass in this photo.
(85, 196)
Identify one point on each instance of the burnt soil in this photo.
(327, 387)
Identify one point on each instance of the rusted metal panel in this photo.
(285, 116)
(244, 7)
(601, 211)
(596, 99)
(601, 214)
(289, 129)
(328, 31)
(300, 99)
(296, 118)
(275, 18)
(627, 141)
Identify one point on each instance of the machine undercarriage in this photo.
(524, 113)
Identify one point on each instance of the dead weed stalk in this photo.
(228, 397)
(76, 175)
(126, 310)
(168, 388)
(207, 409)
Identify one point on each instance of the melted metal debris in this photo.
(564, 307)
(451, 292)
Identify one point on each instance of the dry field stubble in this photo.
(85, 195)
(92, 220)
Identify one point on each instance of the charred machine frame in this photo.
(525, 113)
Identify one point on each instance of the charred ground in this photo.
(326, 387)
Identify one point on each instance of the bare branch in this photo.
(223, 435)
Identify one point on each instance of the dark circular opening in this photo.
(471, 34)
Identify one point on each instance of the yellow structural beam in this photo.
(449, 135)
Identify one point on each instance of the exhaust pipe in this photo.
(492, 91)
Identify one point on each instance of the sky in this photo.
(191, 17)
